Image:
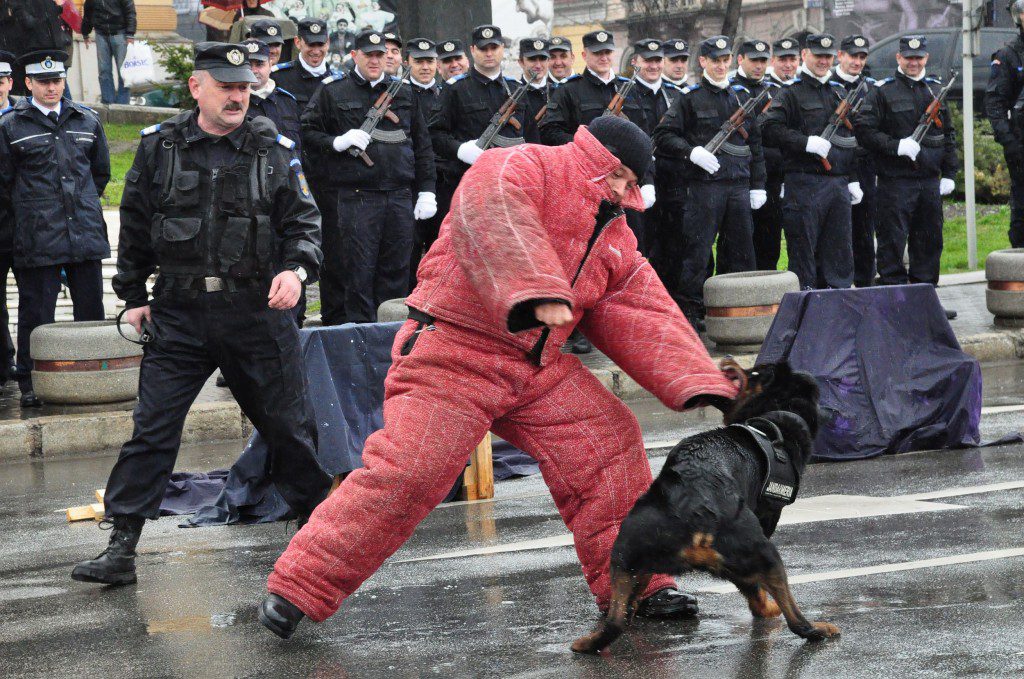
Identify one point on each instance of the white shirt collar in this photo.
(43, 109)
(490, 77)
(743, 74)
(843, 75)
(610, 78)
(720, 84)
(556, 81)
(773, 74)
(540, 84)
(373, 83)
(678, 83)
(319, 70)
(917, 79)
(423, 86)
(823, 79)
(653, 87)
(266, 90)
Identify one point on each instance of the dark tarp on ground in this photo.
(345, 367)
(892, 375)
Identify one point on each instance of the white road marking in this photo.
(996, 410)
(966, 490)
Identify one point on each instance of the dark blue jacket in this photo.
(51, 179)
(283, 110)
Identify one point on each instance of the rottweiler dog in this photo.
(707, 510)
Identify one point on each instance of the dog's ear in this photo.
(734, 372)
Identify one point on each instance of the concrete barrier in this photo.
(392, 311)
(1004, 297)
(741, 306)
(84, 362)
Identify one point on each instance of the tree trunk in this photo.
(732, 18)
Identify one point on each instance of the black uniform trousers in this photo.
(713, 208)
(1016, 203)
(257, 350)
(909, 217)
(816, 215)
(863, 217)
(332, 271)
(38, 287)
(665, 240)
(768, 226)
(6, 343)
(377, 229)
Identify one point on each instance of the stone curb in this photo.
(57, 435)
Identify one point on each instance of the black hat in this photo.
(45, 64)
(648, 48)
(226, 62)
(598, 41)
(533, 47)
(313, 30)
(6, 61)
(821, 44)
(257, 50)
(267, 30)
(675, 47)
(450, 48)
(787, 47)
(371, 41)
(393, 36)
(716, 46)
(855, 44)
(557, 42)
(487, 34)
(625, 140)
(340, 19)
(914, 46)
(755, 49)
(421, 48)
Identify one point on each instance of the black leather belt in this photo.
(211, 283)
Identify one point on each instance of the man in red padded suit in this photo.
(535, 243)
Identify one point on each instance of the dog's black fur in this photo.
(696, 514)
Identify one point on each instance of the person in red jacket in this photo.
(536, 243)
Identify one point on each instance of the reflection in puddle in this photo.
(191, 623)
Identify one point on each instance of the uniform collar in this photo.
(653, 87)
(484, 78)
(193, 133)
(901, 74)
(540, 84)
(678, 83)
(846, 77)
(46, 111)
(422, 86)
(361, 79)
(596, 77)
(715, 85)
(742, 75)
(320, 70)
(556, 81)
(266, 90)
(807, 72)
(775, 76)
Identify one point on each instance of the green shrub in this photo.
(178, 61)
(991, 178)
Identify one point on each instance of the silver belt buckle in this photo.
(213, 284)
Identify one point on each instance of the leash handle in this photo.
(147, 335)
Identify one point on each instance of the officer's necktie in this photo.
(52, 115)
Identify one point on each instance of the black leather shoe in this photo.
(582, 346)
(280, 616)
(30, 400)
(116, 564)
(668, 603)
(950, 314)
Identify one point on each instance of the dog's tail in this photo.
(626, 589)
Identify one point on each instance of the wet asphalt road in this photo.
(514, 614)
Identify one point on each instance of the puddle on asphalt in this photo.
(193, 623)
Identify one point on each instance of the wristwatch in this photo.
(300, 272)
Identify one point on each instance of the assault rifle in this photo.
(847, 108)
(381, 109)
(736, 120)
(503, 116)
(931, 114)
(619, 100)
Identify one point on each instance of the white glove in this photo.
(701, 157)
(647, 191)
(758, 197)
(354, 137)
(426, 205)
(946, 186)
(909, 148)
(782, 191)
(819, 146)
(856, 194)
(469, 152)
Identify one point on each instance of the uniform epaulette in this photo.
(884, 81)
(791, 82)
(457, 78)
(667, 85)
(740, 88)
(511, 80)
(281, 67)
(574, 76)
(691, 88)
(145, 132)
(932, 79)
(286, 93)
(622, 78)
(771, 83)
(82, 106)
(285, 142)
(330, 79)
(836, 83)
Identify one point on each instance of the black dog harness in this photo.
(782, 478)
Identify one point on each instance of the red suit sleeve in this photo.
(640, 327)
(500, 242)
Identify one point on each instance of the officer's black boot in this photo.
(668, 603)
(116, 564)
(280, 616)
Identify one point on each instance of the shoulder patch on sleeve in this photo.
(296, 167)
(457, 78)
(740, 88)
(691, 88)
(285, 92)
(771, 83)
(285, 142)
(281, 67)
(789, 83)
(574, 76)
(145, 132)
(931, 79)
(884, 81)
(622, 78)
(330, 79)
(871, 81)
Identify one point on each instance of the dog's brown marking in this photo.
(701, 555)
(762, 606)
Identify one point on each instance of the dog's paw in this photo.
(821, 630)
(588, 644)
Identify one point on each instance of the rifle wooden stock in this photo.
(541, 113)
(366, 158)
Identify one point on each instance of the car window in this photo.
(882, 59)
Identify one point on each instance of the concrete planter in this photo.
(741, 306)
(392, 311)
(84, 362)
(1004, 297)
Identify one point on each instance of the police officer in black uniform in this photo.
(422, 58)
(912, 177)
(451, 60)
(376, 208)
(302, 75)
(7, 102)
(1004, 107)
(54, 166)
(533, 59)
(269, 32)
(208, 198)
(785, 60)
(269, 100)
(722, 188)
(816, 207)
(677, 62)
(849, 72)
(560, 59)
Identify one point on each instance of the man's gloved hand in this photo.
(856, 193)
(469, 152)
(908, 148)
(946, 186)
(426, 205)
(758, 197)
(354, 137)
(819, 146)
(701, 157)
(649, 195)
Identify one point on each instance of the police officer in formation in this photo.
(393, 54)
(451, 60)
(218, 204)
(54, 166)
(533, 60)
(6, 233)
(269, 100)
(268, 31)
(302, 75)
(723, 188)
(1004, 107)
(376, 205)
(677, 62)
(422, 63)
(849, 72)
(561, 59)
(785, 60)
(912, 176)
(816, 206)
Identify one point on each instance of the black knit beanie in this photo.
(625, 141)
